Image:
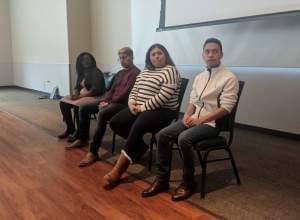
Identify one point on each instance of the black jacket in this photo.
(93, 82)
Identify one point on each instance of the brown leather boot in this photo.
(113, 177)
(77, 144)
(89, 159)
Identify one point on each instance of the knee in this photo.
(166, 138)
(102, 117)
(102, 114)
(113, 124)
(183, 140)
(62, 105)
(139, 126)
(164, 134)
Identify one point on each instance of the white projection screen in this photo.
(177, 14)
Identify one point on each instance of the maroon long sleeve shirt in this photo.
(122, 86)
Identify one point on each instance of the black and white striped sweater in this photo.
(157, 88)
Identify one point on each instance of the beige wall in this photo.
(40, 44)
(264, 53)
(79, 32)
(79, 28)
(110, 25)
(39, 31)
(45, 47)
(6, 73)
(258, 43)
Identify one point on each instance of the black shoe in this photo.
(155, 188)
(64, 135)
(73, 137)
(183, 191)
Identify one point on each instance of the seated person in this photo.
(114, 101)
(213, 95)
(89, 87)
(152, 105)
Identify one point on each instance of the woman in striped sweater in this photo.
(152, 105)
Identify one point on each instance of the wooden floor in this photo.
(40, 180)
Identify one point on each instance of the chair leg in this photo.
(203, 180)
(200, 158)
(234, 166)
(113, 144)
(171, 157)
(152, 141)
(74, 119)
(180, 153)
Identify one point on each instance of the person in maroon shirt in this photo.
(114, 101)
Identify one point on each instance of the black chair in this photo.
(183, 86)
(204, 147)
(109, 79)
(76, 117)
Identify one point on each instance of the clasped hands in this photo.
(189, 121)
(103, 104)
(134, 108)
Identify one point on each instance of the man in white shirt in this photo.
(213, 95)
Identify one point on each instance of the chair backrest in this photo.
(227, 122)
(183, 86)
(109, 80)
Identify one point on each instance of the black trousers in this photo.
(133, 127)
(66, 110)
(84, 120)
(104, 115)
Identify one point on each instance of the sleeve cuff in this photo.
(143, 108)
(227, 108)
(192, 101)
(131, 101)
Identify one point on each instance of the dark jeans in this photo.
(65, 109)
(104, 115)
(133, 127)
(186, 138)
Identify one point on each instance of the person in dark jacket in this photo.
(114, 101)
(90, 86)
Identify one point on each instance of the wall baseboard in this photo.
(23, 88)
(7, 87)
(44, 95)
(269, 131)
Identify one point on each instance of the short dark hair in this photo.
(213, 40)
(169, 60)
(127, 50)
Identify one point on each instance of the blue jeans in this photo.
(186, 138)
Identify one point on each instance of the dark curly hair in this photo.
(79, 67)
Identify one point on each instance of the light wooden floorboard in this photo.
(40, 180)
